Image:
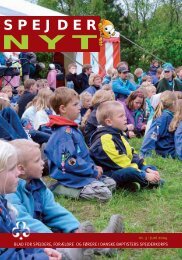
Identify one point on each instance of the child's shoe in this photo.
(77, 254)
(115, 226)
(133, 186)
(86, 227)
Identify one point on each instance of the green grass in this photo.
(158, 210)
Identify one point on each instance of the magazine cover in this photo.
(91, 129)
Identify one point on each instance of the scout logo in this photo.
(21, 230)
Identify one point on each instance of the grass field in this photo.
(158, 210)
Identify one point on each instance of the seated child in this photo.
(138, 73)
(68, 156)
(36, 205)
(33, 200)
(176, 127)
(158, 138)
(91, 122)
(9, 179)
(86, 102)
(111, 150)
(150, 91)
(134, 110)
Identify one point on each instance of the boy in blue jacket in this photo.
(34, 201)
(68, 156)
(9, 174)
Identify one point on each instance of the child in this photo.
(33, 196)
(111, 74)
(150, 90)
(176, 125)
(28, 95)
(138, 73)
(9, 179)
(95, 82)
(158, 137)
(69, 160)
(110, 149)
(91, 122)
(51, 76)
(72, 78)
(43, 109)
(86, 102)
(134, 110)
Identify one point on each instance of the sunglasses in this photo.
(166, 71)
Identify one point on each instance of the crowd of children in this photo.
(83, 131)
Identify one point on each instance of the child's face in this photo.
(9, 93)
(9, 177)
(118, 119)
(156, 64)
(137, 103)
(34, 88)
(33, 168)
(73, 70)
(87, 102)
(139, 74)
(151, 93)
(180, 74)
(97, 81)
(72, 110)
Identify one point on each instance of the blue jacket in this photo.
(106, 80)
(6, 226)
(36, 206)
(159, 138)
(10, 125)
(68, 156)
(92, 90)
(122, 89)
(178, 141)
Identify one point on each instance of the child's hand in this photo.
(100, 171)
(152, 171)
(143, 127)
(130, 127)
(53, 254)
(152, 177)
(131, 134)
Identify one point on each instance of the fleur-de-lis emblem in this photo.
(21, 230)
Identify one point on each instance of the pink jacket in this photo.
(51, 78)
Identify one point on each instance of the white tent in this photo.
(24, 8)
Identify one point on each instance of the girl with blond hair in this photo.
(95, 82)
(158, 137)
(43, 108)
(176, 127)
(36, 116)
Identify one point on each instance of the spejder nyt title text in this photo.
(58, 33)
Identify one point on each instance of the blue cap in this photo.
(168, 67)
